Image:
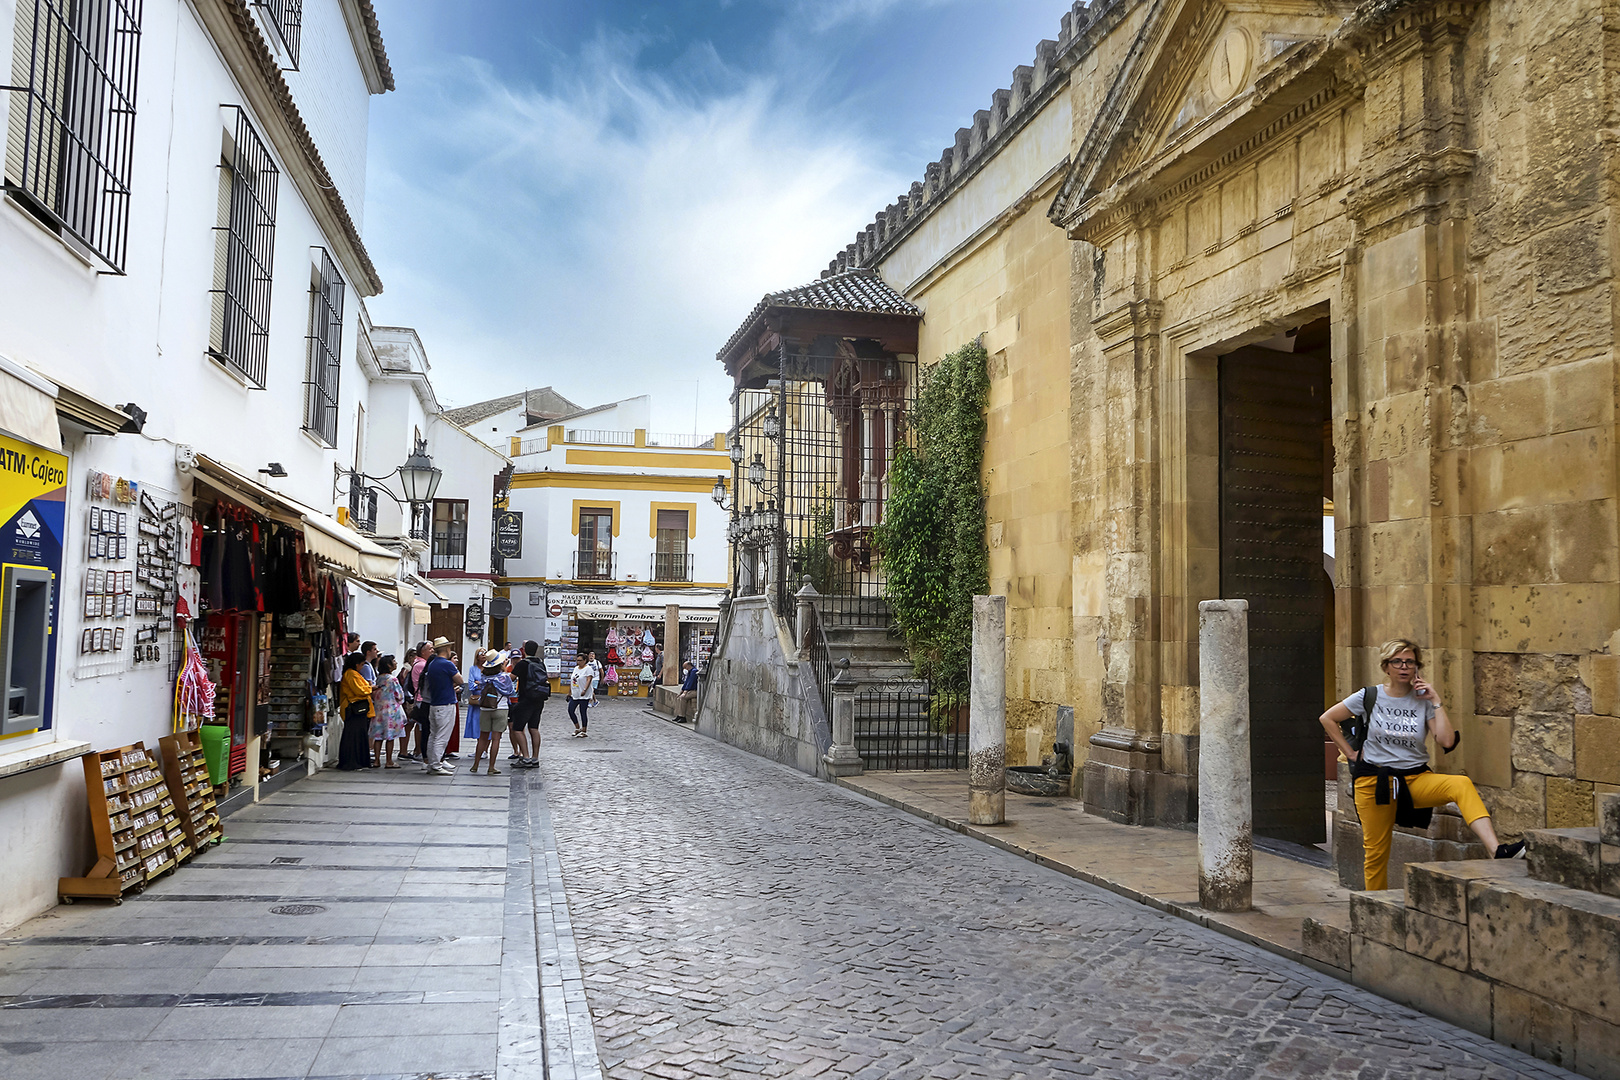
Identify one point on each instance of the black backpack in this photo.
(534, 685)
(1355, 728)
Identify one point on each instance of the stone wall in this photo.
(758, 697)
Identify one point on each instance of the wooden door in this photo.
(446, 622)
(1273, 405)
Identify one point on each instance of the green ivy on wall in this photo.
(932, 540)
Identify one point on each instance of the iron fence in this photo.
(905, 727)
(813, 450)
(821, 661)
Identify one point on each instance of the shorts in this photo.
(526, 713)
(491, 720)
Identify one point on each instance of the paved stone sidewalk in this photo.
(369, 924)
(737, 919)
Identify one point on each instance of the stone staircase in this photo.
(891, 707)
(1526, 952)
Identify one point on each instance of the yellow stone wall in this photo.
(1012, 287)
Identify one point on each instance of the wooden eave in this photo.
(793, 325)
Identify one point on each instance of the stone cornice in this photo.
(242, 46)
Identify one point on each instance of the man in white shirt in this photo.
(581, 685)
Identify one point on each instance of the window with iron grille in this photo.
(669, 547)
(244, 244)
(287, 16)
(325, 345)
(70, 128)
(449, 534)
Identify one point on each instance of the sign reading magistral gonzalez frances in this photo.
(509, 534)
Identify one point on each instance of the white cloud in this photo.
(604, 234)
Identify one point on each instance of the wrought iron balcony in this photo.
(596, 565)
(449, 550)
(671, 566)
(363, 508)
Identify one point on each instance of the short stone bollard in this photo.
(987, 713)
(841, 758)
(1225, 801)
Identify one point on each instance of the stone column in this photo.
(987, 713)
(672, 644)
(869, 485)
(1225, 802)
(807, 597)
(841, 758)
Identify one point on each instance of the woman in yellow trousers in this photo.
(1393, 783)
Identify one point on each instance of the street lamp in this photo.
(419, 477)
(719, 491)
(756, 471)
(772, 424)
(418, 480)
(735, 450)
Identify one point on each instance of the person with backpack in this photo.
(533, 688)
(493, 693)
(1383, 731)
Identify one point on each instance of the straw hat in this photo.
(495, 661)
(440, 643)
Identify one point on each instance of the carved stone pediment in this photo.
(1199, 74)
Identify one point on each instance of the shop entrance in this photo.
(1275, 475)
(446, 622)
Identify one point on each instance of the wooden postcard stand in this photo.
(193, 795)
(132, 817)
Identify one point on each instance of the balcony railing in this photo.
(363, 509)
(671, 566)
(599, 436)
(449, 550)
(597, 565)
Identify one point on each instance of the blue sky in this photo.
(592, 195)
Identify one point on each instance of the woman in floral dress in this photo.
(388, 719)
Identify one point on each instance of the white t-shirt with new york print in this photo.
(1397, 732)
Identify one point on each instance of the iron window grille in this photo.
(450, 534)
(595, 564)
(287, 16)
(243, 253)
(71, 124)
(325, 346)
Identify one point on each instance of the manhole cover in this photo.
(297, 909)
(286, 860)
(603, 750)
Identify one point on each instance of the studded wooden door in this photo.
(1273, 405)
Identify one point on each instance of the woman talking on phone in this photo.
(1389, 758)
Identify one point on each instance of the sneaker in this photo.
(1514, 850)
(513, 757)
(452, 757)
(443, 770)
(575, 735)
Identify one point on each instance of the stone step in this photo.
(1326, 943)
(1574, 858)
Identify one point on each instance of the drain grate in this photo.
(603, 750)
(286, 860)
(297, 909)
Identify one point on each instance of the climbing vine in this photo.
(932, 540)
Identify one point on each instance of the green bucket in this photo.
(216, 747)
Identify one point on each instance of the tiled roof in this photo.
(859, 290)
(542, 404)
(379, 55)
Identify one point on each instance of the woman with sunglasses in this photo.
(1393, 784)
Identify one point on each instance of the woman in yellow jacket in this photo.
(354, 702)
(1393, 783)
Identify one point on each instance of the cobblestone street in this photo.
(736, 919)
(656, 904)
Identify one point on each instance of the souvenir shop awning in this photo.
(337, 544)
(395, 592)
(421, 614)
(426, 586)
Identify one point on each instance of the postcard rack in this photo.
(137, 833)
(189, 787)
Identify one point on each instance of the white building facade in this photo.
(183, 338)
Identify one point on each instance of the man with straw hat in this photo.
(441, 681)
